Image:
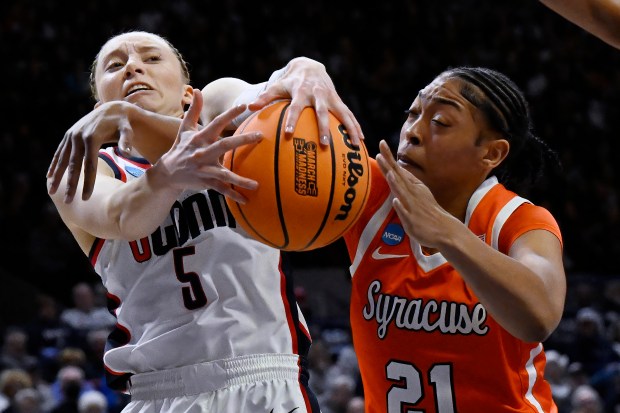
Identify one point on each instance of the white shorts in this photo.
(269, 383)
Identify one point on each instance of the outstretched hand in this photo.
(193, 162)
(307, 84)
(422, 217)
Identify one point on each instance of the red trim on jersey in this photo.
(116, 300)
(114, 373)
(95, 250)
(304, 392)
(118, 170)
(287, 310)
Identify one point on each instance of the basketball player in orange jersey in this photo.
(206, 318)
(456, 280)
(599, 17)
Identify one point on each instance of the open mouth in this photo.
(139, 87)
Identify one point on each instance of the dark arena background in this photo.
(379, 55)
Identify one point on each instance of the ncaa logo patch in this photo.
(393, 234)
(133, 171)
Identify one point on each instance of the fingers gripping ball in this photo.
(309, 194)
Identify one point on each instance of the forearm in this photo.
(518, 298)
(118, 210)
(141, 206)
(599, 17)
(153, 134)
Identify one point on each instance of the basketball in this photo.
(309, 194)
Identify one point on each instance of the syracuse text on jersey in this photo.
(416, 314)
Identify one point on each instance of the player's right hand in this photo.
(194, 161)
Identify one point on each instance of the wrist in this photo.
(159, 178)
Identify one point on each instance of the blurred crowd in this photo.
(379, 56)
(52, 363)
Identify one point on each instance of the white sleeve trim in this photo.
(503, 216)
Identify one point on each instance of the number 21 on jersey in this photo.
(408, 390)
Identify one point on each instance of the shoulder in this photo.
(220, 95)
(527, 217)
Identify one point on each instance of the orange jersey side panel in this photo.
(423, 340)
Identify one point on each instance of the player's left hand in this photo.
(421, 216)
(307, 84)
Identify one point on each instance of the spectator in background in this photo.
(92, 401)
(67, 388)
(345, 365)
(14, 354)
(11, 382)
(47, 333)
(85, 315)
(319, 362)
(337, 396)
(589, 345)
(26, 401)
(556, 372)
(586, 400)
(355, 405)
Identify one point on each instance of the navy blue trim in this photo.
(117, 171)
(134, 159)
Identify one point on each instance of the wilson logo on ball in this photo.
(355, 171)
(308, 194)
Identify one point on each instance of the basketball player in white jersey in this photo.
(206, 318)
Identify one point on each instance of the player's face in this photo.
(440, 140)
(142, 69)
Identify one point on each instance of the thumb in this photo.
(190, 121)
(272, 93)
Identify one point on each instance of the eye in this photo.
(438, 120)
(153, 58)
(113, 65)
(413, 113)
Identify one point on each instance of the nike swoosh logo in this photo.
(378, 256)
(288, 412)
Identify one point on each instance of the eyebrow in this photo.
(140, 49)
(441, 100)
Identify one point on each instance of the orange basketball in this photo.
(309, 194)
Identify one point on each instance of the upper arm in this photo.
(532, 236)
(541, 252)
(219, 96)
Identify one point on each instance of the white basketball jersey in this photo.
(197, 289)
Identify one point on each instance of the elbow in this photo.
(130, 232)
(540, 327)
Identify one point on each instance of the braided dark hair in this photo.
(507, 111)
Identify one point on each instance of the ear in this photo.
(188, 95)
(496, 152)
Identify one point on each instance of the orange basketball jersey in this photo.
(424, 341)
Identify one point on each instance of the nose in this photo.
(133, 66)
(413, 132)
